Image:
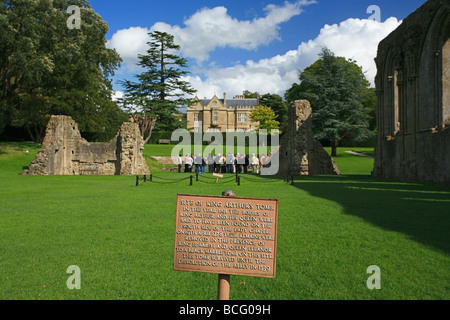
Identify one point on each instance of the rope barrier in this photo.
(170, 179)
(237, 178)
(165, 180)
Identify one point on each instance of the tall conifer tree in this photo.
(160, 89)
(338, 92)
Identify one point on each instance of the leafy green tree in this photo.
(47, 68)
(250, 95)
(339, 96)
(266, 118)
(279, 106)
(160, 89)
(370, 104)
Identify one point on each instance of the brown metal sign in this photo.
(226, 235)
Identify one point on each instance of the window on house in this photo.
(215, 117)
(242, 118)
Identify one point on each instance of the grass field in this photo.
(330, 230)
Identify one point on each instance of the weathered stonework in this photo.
(413, 97)
(65, 152)
(300, 153)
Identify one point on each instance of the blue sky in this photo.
(256, 45)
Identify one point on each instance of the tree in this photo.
(146, 123)
(160, 90)
(250, 95)
(266, 118)
(47, 68)
(279, 106)
(338, 92)
(370, 104)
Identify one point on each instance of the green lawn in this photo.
(330, 230)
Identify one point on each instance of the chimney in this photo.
(224, 98)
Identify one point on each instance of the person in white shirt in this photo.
(255, 164)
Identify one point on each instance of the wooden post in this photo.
(217, 175)
(223, 290)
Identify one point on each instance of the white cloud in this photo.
(117, 95)
(129, 43)
(353, 39)
(209, 29)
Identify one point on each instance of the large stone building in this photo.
(222, 115)
(413, 97)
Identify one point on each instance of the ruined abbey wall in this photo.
(65, 152)
(413, 97)
(300, 153)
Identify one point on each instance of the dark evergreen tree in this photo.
(339, 96)
(160, 90)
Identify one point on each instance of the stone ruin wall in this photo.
(413, 98)
(65, 152)
(300, 153)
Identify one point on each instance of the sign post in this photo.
(226, 235)
(223, 290)
(217, 175)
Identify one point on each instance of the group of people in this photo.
(220, 163)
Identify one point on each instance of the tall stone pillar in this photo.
(300, 153)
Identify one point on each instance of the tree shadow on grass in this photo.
(416, 209)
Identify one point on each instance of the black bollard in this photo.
(292, 180)
(137, 181)
(151, 177)
(191, 180)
